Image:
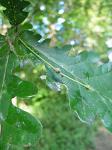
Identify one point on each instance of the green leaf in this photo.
(53, 79)
(20, 130)
(25, 26)
(15, 10)
(20, 88)
(7, 63)
(4, 105)
(2, 40)
(89, 86)
(20, 50)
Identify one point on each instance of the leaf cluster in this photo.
(88, 84)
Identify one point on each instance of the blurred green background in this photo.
(86, 25)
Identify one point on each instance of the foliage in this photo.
(26, 130)
(84, 23)
(61, 130)
(81, 74)
(13, 12)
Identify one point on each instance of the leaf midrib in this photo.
(30, 48)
